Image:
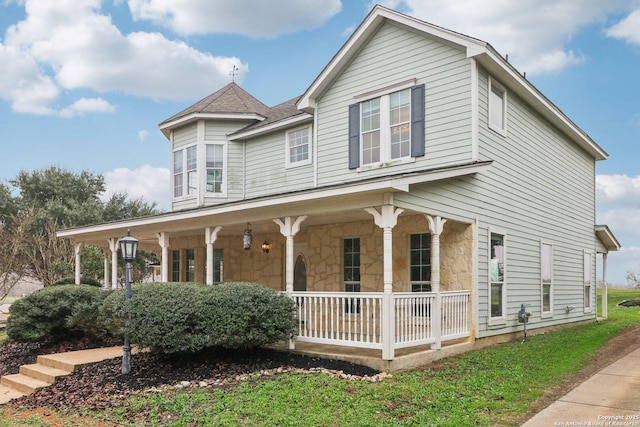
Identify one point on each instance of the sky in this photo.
(84, 83)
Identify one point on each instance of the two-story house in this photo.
(416, 194)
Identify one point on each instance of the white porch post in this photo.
(106, 269)
(436, 224)
(605, 312)
(210, 238)
(78, 250)
(163, 241)
(113, 246)
(386, 219)
(289, 229)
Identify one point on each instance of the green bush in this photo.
(56, 312)
(83, 281)
(179, 317)
(244, 315)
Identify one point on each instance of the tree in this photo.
(633, 280)
(14, 241)
(52, 199)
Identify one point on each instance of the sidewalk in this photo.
(609, 398)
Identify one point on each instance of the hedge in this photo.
(179, 317)
(56, 312)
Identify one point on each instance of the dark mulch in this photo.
(91, 386)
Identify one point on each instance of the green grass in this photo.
(493, 386)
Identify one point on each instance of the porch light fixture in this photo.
(128, 248)
(265, 247)
(247, 237)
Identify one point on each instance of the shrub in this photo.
(56, 312)
(83, 281)
(244, 315)
(165, 317)
(179, 317)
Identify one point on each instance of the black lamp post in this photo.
(128, 248)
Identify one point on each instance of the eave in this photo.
(607, 238)
(262, 130)
(193, 117)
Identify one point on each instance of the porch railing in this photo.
(356, 319)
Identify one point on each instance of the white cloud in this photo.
(143, 134)
(534, 33)
(618, 190)
(628, 29)
(52, 51)
(245, 17)
(146, 181)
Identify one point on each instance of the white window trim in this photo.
(502, 320)
(203, 166)
(409, 265)
(591, 281)
(546, 314)
(309, 160)
(502, 131)
(385, 130)
(185, 178)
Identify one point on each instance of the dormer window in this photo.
(387, 127)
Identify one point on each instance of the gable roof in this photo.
(479, 50)
(230, 102)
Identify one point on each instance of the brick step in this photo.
(23, 383)
(43, 372)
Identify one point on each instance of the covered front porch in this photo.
(364, 273)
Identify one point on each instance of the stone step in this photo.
(73, 360)
(23, 383)
(43, 372)
(7, 393)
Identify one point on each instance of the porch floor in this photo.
(406, 358)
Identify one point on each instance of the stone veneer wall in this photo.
(323, 251)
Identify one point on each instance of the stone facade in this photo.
(321, 247)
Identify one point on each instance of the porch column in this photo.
(386, 219)
(78, 250)
(113, 246)
(106, 270)
(163, 241)
(436, 224)
(604, 286)
(289, 229)
(210, 238)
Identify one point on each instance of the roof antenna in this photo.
(233, 73)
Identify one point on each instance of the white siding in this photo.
(540, 187)
(395, 55)
(216, 132)
(266, 167)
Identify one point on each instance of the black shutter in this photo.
(354, 136)
(417, 121)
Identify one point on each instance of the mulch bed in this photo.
(91, 386)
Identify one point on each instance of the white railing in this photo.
(355, 318)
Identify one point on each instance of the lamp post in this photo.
(128, 248)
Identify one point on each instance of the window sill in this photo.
(298, 164)
(380, 165)
(548, 315)
(499, 131)
(497, 322)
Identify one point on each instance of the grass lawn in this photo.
(492, 386)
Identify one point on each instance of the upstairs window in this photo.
(185, 162)
(497, 107)
(387, 128)
(192, 170)
(299, 147)
(215, 168)
(178, 176)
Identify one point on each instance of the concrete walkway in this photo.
(609, 398)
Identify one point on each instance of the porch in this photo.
(381, 325)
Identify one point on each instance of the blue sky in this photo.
(84, 84)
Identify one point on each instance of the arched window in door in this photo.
(300, 274)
